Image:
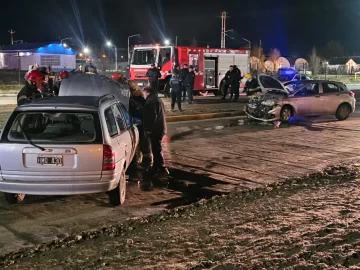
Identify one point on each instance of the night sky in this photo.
(292, 26)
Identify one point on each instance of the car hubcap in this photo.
(343, 112)
(286, 114)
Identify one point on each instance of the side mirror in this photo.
(137, 122)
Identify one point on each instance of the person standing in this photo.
(183, 73)
(189, 84)
(176, 90)
(228, 80)
(137, 101)
(34, 81)
(155, 129)
(154, 74)
(235, 84)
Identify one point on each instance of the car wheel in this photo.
(343, 112)
(285, 114)
(12, 198)
(117, 195)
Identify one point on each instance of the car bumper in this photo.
(273, 115)
(108, 182)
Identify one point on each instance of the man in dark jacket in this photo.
(189, 84)
(228, 81)
(183, 73)
(235, 84)
(154, 74)
(34, 81)
(155, 130)
(176, 89)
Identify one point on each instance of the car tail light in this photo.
(108, 158)
(352, 94)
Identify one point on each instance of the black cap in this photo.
(153, 65)
(191, 66)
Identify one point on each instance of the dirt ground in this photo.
(310, 223)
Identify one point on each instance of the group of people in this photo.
(40, 81)
(181, 84)
(149, 109)
(232, 83)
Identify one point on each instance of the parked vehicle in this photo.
(211, 64)
(281, 102)
(67, 145)
(288, 74)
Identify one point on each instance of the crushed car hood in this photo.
(271, 86)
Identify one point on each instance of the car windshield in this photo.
(54, 127)
(292, 87)
(144, 57)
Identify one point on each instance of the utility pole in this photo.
(176, 40)
(223, 28)
(12, 36)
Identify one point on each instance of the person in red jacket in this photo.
(34, 82)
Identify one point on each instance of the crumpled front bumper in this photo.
(272, 115)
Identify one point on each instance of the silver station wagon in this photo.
(67, 145)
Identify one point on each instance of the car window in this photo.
(126, 115)
(54, 127)
(119, 118)
(297, 78)
(310, 89)
(110, 122)
(292, 87)
(303, 77)
(330, 88)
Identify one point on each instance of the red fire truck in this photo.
(210, 64)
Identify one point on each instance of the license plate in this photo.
(50, 160)
(140, 84)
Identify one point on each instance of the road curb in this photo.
(203, 116)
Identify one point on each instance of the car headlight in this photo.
(268, 103)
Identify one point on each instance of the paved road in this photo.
(206, 158)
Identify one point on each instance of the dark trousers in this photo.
(156, 148)
(176, 98)
(226, 89)
(189, 90)
(155, 85)
(236, 91)
(184, 92)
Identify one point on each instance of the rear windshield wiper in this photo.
(28, 139)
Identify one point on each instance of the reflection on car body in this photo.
(281, 102)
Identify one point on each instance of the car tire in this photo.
(118, 194)
(343, 112)
(285, 114)
(12, 198)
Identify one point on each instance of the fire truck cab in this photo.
(210, 64)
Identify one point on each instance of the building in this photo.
(24, 55)
(344, 65)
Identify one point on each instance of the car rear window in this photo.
(55, 127)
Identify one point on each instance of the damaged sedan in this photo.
(299, 98)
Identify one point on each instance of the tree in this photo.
(332, 49)
(258, 52)
(314, 62)
(274, 57)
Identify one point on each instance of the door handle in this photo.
(125, 144)
(317, 96)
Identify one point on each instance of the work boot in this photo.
(181, 110)
(172, 110)
(163, 172)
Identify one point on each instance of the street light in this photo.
(65, 45)
(167, 42)
(137, 35)
(109, 44)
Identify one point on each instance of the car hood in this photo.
(269, 84)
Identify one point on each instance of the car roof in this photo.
(313, 81)
(90, 102)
